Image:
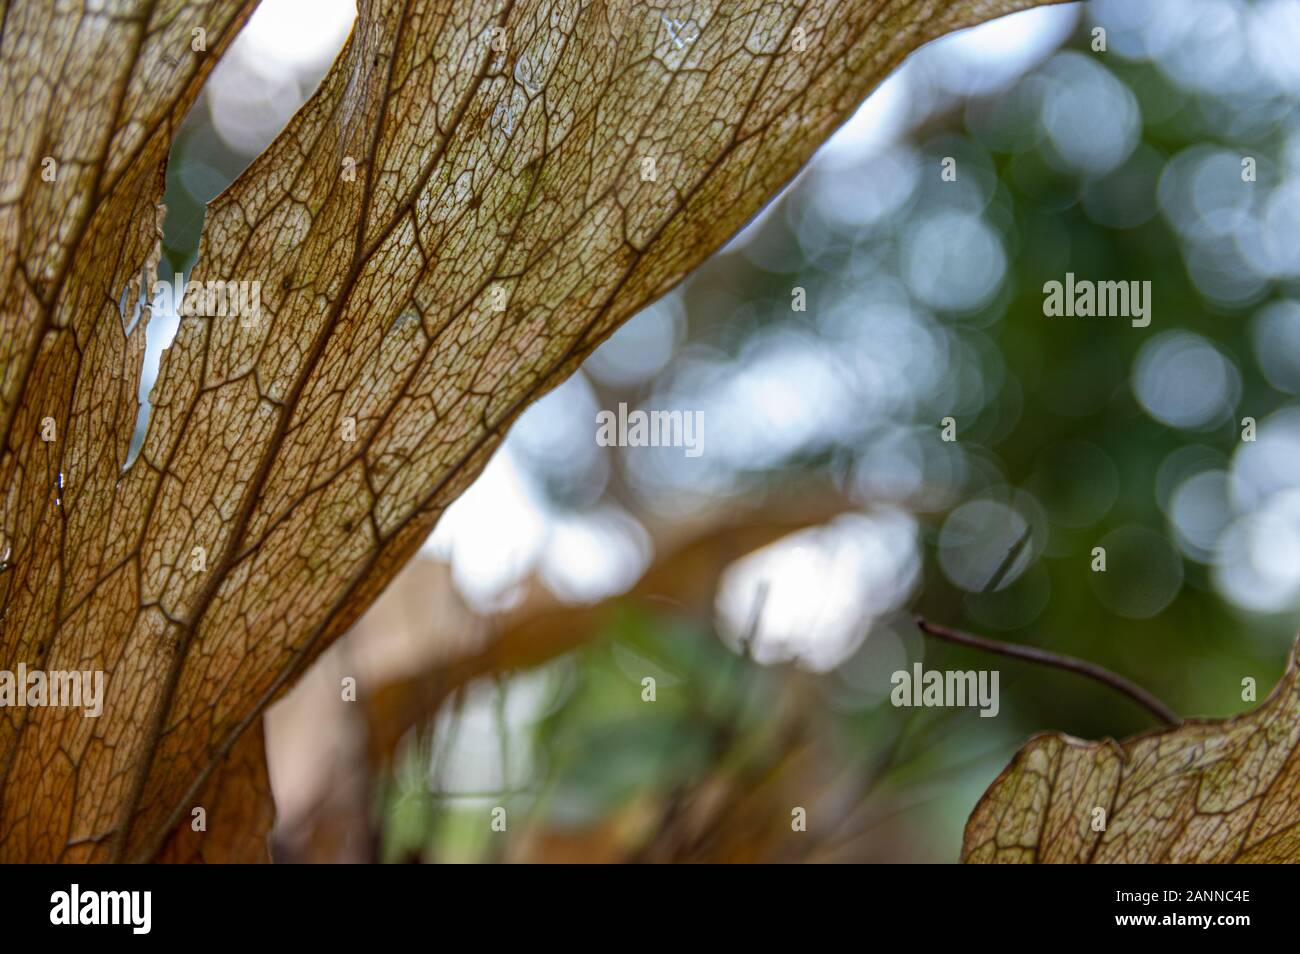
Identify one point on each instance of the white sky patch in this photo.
(296, 34)
(820, 589)
(993, 55)
(493, 534)
(273, 66)
(599, 554)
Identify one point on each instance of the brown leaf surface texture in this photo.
(238, 811)
(1208, 791)
(463, 211)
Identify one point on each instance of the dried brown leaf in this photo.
(249, 534)
(238, 811)
(1208, 791)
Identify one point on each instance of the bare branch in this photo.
(1069, 663)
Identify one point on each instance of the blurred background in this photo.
(768, 588)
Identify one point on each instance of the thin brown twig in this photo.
(1069, 663)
